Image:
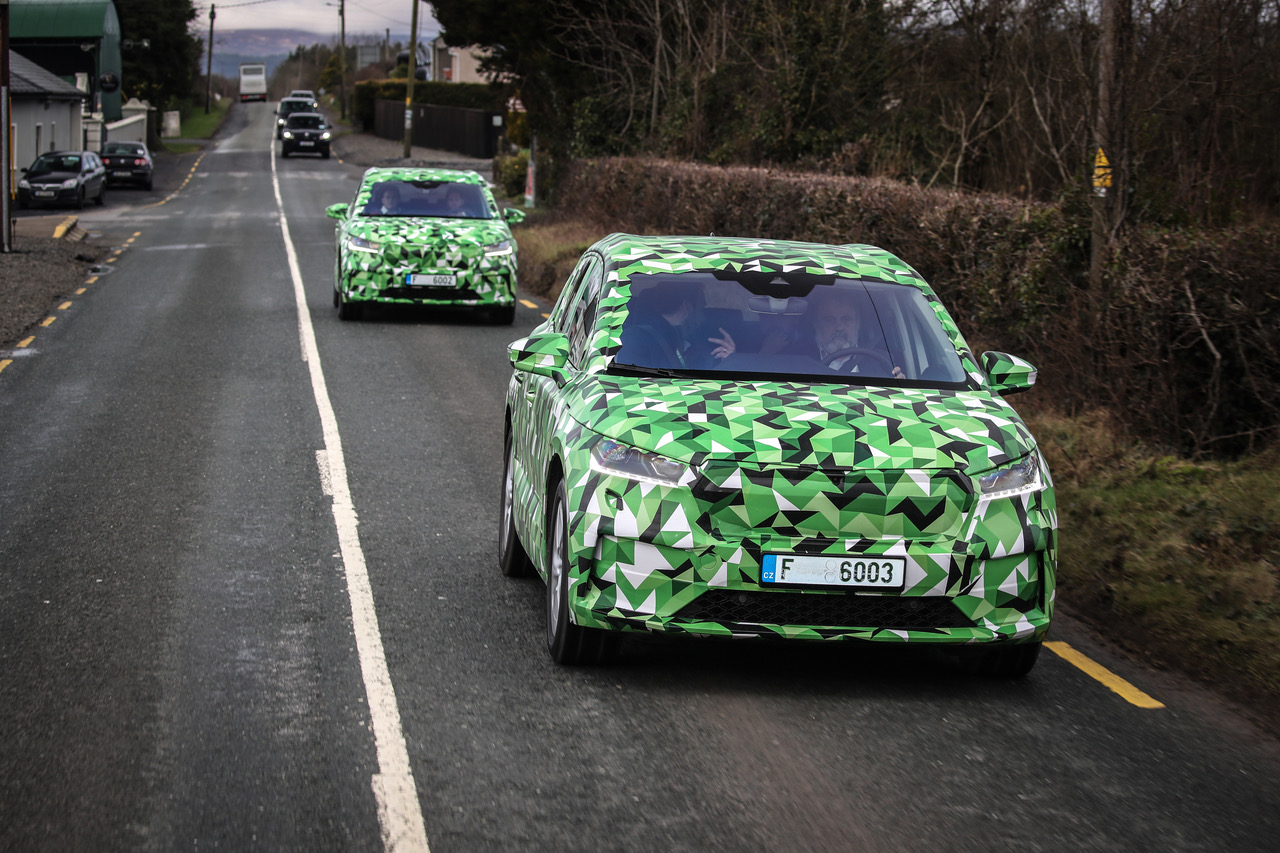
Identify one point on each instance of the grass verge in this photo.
(200, 125)
(1177, 560)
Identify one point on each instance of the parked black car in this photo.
(128, 163)
(289, 106)
(306, 133)
(63, 177)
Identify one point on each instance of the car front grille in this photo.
(843, 610)
(460, 293)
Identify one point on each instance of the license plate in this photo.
(418, 280)
(861, 572)
(121, 173)
(44, 193)
(306, 143)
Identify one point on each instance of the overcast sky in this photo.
(317, 16)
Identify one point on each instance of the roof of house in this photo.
(27, 78)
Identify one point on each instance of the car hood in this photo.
(794, 424)
(422, 229)
(50, 177)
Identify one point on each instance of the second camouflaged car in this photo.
(425, 237)
(739, 438)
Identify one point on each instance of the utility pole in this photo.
(1111, 157)
(6, 154)
(208, 73)
(342, 58)
(408, 86)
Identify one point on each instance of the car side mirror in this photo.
(1008, 373)
(514, 215)
(545, 354)
(337, 211)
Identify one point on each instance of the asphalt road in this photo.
(196, 482)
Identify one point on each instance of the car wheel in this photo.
(502, 315)
(1007, 662)
(102, 196)
(568, 643)
(325, 153)
(148, 184)
(348, 310)
(80, 200)
(512, 558)
(284, 152)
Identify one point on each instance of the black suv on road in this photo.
(306, 133)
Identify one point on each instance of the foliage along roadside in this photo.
(1181, 345)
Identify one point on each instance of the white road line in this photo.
(399, 812)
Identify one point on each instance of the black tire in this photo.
(512, 558)
(502, 315)
(102, 196)
(1007, 661)
(337, 300)
(80, 200)
(568, 643)
(148, 184)
(348, 310)
(325, 153)
(284, 152)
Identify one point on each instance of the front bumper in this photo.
(36, 196)
(481, 282)
(659, 559)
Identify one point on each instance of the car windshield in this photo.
(123, 148)
(767, 325)
(294, 106)
(56, 163)
(442, 199)
(306, 122)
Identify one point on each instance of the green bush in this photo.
(1182, 343)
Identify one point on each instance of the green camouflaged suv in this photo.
(742, 438)
(424, 237)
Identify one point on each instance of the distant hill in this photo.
(232, 47)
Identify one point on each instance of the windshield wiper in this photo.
(644, 370)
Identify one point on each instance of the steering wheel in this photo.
(861, 357)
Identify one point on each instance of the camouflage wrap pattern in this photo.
(425, 245)
(776, 467)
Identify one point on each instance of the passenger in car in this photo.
(661, 331)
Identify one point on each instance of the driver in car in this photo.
(832, 329)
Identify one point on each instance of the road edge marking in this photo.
(396, 794)
(1100, 673)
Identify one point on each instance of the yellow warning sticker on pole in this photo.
(1101, 173)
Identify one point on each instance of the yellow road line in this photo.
(1127, 691)
(5, 362)
(81, 291)
(64, 306)
(545, 316)
(26, 342)
(527, 304)
(47, 321)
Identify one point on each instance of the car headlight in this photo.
(1016, 478)
(23, 185)
(287, 135)
(70, 183)
(324, 135)
(360, 244)
(505, 247)
(620, 460)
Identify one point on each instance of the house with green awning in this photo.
(76, 40)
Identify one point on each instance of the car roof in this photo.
(378, 174)
(634, 254)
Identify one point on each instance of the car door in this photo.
(534, 412)
(95, 174)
